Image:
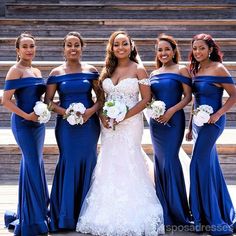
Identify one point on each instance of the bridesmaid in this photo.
(209, 198)
(77, 143)
(168, 83)
(24, 81)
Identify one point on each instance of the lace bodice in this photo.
(126, 91)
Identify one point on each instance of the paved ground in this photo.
(8, 200)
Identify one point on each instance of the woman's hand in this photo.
(87, 114)
(166, 117)
(32, 117)
(105, 121)
(214, 118)
(189, 135)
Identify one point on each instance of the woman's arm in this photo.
(230, 89)
(99, 101)
(49, 96)
(145, 92)
(7, 98)
(187, 97)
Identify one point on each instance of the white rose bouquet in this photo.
(115, 110)
(156, 109)
(71, 113)
(42, 111)
(201, 115)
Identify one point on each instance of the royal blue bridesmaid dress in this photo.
(33, 193)
(210, 201)
(78, 151)
(167, 140)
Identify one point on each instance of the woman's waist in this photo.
(216, 105)
(20, 121)
(66, 103)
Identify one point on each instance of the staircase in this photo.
(95, 20)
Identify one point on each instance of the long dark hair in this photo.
(215, 55)
(111, 61)
(174, 46)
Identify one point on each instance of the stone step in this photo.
(5, 118)
(47, 66)
(119, 10)
(95, 48)
(10, 153)
(102, 28)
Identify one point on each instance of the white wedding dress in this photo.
(122, 199)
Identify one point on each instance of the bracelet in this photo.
(50, 106)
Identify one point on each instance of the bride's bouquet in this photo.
(42, 111)
(114, 110)
(71, 113)
(156, 109)
(201, 115)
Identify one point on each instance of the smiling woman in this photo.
(24, 81)
(171, 84)
(121, 183)
(77, 141)
(210, 201)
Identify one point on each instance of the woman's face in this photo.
(27, 49)
(200, 50)
(73, 48)
(121, 46)
(165, 52)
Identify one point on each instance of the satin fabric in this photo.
(78, 151)
(211, 204)
(167, 140)
(31, 217)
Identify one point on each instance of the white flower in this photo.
(71, 113)
(40, 107)
(76, 107)
(156, 109)
(74, 119)
(41, 110)
(115, 110)
(201, 115)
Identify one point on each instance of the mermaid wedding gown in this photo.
(122, 198)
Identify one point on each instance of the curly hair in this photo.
(18, 40)
(174, 46)
(216, 54)
(111, 60)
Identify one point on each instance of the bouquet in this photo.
(115, 110)
(201, 115)
(42, 111)
(156, 109)
(71, 113)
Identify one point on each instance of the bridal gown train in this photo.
(122, 199)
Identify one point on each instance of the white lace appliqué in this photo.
(122, 200)
(144, 82)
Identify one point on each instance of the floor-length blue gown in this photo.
(167, 140)
(78, 151)
(210, 201)
(33, 193)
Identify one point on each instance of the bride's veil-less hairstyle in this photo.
(18, 40)
(216, 54)
(111, 61)
(174, 46)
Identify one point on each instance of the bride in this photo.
(122, 199)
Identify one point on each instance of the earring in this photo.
(209, 55)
